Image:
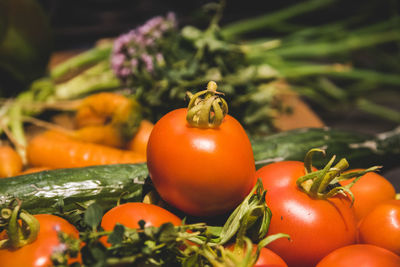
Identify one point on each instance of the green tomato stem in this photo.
(323, 184)
(209, 111)
(19, 234)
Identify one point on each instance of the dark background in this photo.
(79, 24)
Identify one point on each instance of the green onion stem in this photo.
(238, 28)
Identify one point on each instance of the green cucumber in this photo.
(45, 191)
(361, 150)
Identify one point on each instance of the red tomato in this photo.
(316, 227)
(267, 257)
(129, 214)
(37, 253)
(202, 172)
(381, 226)
(368, 191)
(360, 255)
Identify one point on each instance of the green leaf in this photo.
(93, 215)
(117, 235)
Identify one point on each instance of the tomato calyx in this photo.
(19, 234)
(323, 184)
(206, 109)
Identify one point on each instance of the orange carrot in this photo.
(100, 134)
(10, 161)
(103, 108)
(56, 150)
(108, 119)
(33, 170)
(139, 141)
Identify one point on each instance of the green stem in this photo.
(19, 234)
(321, 49)
(90, 57)
(97, 78)
(244, 26)
(208, 112)
(378, 110)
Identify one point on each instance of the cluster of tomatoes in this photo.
(207, 168)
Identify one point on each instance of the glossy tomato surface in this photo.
(381, 226)
(37, 254)
(370, 190)
(202, 172)
(316, 227)
(360, 255)
(267, 257)
(129, 215)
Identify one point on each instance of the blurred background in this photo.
(52, 26)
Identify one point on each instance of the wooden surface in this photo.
(301, 116)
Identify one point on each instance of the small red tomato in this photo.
(37, 253)
(360, 255)
(201, 171)
(129, 215)
(381, 226)
(368, 191)
(315, 226)
(267, 257)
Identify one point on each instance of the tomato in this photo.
(360, 255)
(381, 226)
(368, 191)
(37, 253)
(315, 226)
(269, 258)
(129, 215)
(201, 171)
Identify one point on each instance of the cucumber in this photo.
(43, 192)
(46, 191)
(360, 150)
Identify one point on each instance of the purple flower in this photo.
(148, 61)
(140, 47)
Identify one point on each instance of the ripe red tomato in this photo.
(381, 226)
(315, 226)
(360, 255)
(267, 257)
(202, 172)
(37, 253)
(368, 191)
(129, 215)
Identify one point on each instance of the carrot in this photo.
(57, 150)
(139, 141)
(103, 108)
(10, 161)
(100, 134)
(107, 118)
(33, 170)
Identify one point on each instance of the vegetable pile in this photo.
(101, 166)
(197, 201)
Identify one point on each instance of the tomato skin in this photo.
(269, 258)
(370, 190)
(202, 172)
(316, 227)
(360, 255)
(381, 226)
(37, 253)
(129, 215)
